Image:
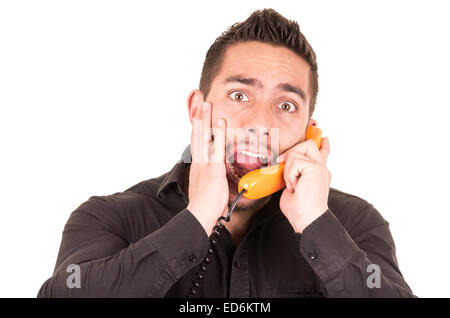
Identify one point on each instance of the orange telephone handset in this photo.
(262, 182)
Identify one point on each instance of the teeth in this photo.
(254, 155)
(232, 172)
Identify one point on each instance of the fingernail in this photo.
(220, 123)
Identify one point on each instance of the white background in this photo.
(93, 100)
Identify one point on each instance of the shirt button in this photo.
(192, 258)
(237, 264)
(313, 254)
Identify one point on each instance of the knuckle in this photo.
(311, 143)
(321, 167)
(288, 162)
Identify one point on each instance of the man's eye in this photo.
(239, 96)
(288, 106)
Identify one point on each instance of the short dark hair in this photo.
(266, 26)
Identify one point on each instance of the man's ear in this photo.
(194, 101)
(312, 122)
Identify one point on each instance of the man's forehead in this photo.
(248, 65)
(242, 52)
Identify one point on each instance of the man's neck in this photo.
(238, 225)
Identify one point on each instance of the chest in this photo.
(266, 263)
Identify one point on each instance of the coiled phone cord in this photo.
(212, 241)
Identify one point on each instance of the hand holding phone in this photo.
(262, 182)
(307, 183)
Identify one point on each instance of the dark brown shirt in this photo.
(143, 242)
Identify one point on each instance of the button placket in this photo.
(192, 258)
(239, 284)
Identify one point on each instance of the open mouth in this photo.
(242, 162)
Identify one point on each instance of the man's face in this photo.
(264, 91)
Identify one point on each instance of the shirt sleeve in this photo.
(364, 265)
(110, 267)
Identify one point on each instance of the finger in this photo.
(307, 148)
(197, 110)
(293, 170)
(325, 148)
(329, 178)
(207, 131)
(219, 141)
(281, 158)
(196, 136)
(206, 120)
(289, 177)
(193, 156)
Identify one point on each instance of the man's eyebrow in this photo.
(255, 82)
(293, 89)
(243, 80)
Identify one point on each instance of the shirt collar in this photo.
(176, 174)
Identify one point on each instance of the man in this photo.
(158, 238)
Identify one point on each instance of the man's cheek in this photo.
(285, 142)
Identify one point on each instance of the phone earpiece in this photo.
(315, 134)
(262, 182)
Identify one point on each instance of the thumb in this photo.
(281, 158)
(325, 148)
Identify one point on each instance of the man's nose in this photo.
(258, 124)
(258, 136)
(258, 131)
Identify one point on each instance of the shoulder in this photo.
(138, 197)
(354, 212)
(340, 200)
(135, 211)
(115, 203)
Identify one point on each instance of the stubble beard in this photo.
(245, 205)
